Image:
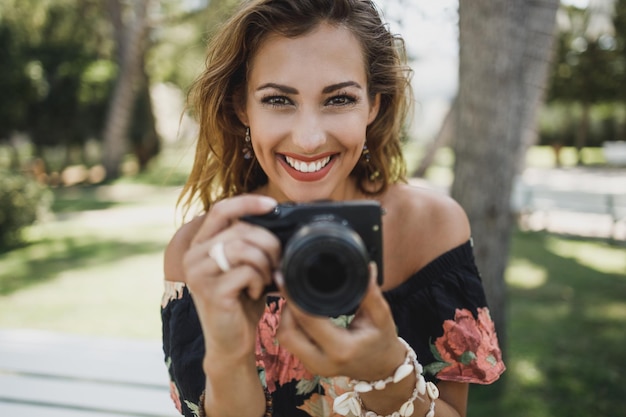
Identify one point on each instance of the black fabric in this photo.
(422, 303)
(183, 345)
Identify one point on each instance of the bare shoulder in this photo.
(433, 214)
(423, 218)
(176, 248)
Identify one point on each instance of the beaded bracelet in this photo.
(350, 402)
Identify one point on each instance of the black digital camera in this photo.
(327, 247)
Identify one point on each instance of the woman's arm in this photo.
(452, 401)
(232, 388)
(229, 302)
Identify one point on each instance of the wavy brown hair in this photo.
(219, 170)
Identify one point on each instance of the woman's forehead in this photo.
(328, 52)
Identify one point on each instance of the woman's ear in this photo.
(240, 109)
(242, 115)
(374, 108)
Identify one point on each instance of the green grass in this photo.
(567, 316)
(95, 271)
(75, 199)
(544, 157)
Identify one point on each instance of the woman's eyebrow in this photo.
(328, 89)
(338, 86)
(280, 87)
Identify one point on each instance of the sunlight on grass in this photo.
(440, 176)
(413, 152)
(95, 272)
(598, 256)
(566, 332)
(540, 157)
(615, 311)
(524, 274)
(544, 156)
(121, 298)
(527, 373)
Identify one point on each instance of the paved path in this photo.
(591, 184)
(593, 180)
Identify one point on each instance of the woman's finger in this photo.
(374, 309)
(291, 336)
(223, 213)
(234, 239)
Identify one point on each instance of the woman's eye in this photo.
(276, 101)
(341, 100)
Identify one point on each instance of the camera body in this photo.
(327, 247)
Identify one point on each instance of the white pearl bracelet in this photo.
(350, 402)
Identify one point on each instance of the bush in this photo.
(22, 201)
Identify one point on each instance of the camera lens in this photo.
(325, 267)
(324, 272)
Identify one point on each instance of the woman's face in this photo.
(308, 108)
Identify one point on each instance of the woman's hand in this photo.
(229, 298)
(367, 350)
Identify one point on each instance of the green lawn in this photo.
(567, 331)
(96, 271)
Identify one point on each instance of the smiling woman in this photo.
(304, 100)
(307, 111)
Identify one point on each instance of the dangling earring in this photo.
(366, 154)
(373, 172)
(248, 153)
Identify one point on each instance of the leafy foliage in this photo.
(586, 99)
(59, 71)
(22, 199)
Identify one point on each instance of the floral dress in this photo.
(440, 311)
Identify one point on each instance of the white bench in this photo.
(47, 374)
(548, 201)
(615, 152)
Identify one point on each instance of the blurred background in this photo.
(95, 144)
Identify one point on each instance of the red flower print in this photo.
(280, 366)
(468, 351)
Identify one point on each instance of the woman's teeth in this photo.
(307, 166)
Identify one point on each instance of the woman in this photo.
(303, 100)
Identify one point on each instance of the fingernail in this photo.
(269, 202)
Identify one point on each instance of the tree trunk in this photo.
(504, 58)
(583, 132)
(122, 101)
(147, 144)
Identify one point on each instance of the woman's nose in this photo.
(308, 133)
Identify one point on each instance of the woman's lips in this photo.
(307, 168)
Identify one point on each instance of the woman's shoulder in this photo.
(430, 210)
(427, 222)
(176, 248)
